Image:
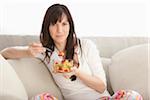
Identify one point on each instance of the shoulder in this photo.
(85, 43)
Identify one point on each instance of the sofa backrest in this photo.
(106, 45)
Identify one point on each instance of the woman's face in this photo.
(60, 31)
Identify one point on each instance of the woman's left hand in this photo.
(75, 70)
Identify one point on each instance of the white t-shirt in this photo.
(76, 90)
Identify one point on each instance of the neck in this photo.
(61, 46)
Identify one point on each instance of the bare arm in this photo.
(22, 52)
(15, 52)
(93, 82)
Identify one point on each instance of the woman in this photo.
(59, 43)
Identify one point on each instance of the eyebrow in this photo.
(61, 20)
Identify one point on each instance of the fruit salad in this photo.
(63, 66)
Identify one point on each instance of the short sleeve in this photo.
(93, 59)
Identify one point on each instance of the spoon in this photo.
(48, 49)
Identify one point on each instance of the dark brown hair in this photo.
(53, 14)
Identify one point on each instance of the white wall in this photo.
(91, 17)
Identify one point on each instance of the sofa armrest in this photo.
(11, 87)
(129, 70)
(35, 76)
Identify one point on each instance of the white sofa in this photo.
(125, 60)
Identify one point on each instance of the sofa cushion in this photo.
(129, 70)
(11, 87)
(106, 62)
(35, 77)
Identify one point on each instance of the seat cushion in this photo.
(129, 70)
(11, 87)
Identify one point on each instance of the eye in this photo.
(52, 25)
(65, 23)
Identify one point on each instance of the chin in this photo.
(61, 41)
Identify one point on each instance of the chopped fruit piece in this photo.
(56, 62)
(59, 68)
(61, 54)
(64, 66)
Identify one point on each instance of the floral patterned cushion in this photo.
(124, 95)
(45, 96)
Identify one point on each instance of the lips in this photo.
(59, 35)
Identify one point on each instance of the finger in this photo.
(35, 44)
(73, 69)
(34, 53)
(39, 49)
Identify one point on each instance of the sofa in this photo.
(125, 61)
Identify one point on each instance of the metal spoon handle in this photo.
(48, 49)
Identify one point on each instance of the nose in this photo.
(59, 28)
